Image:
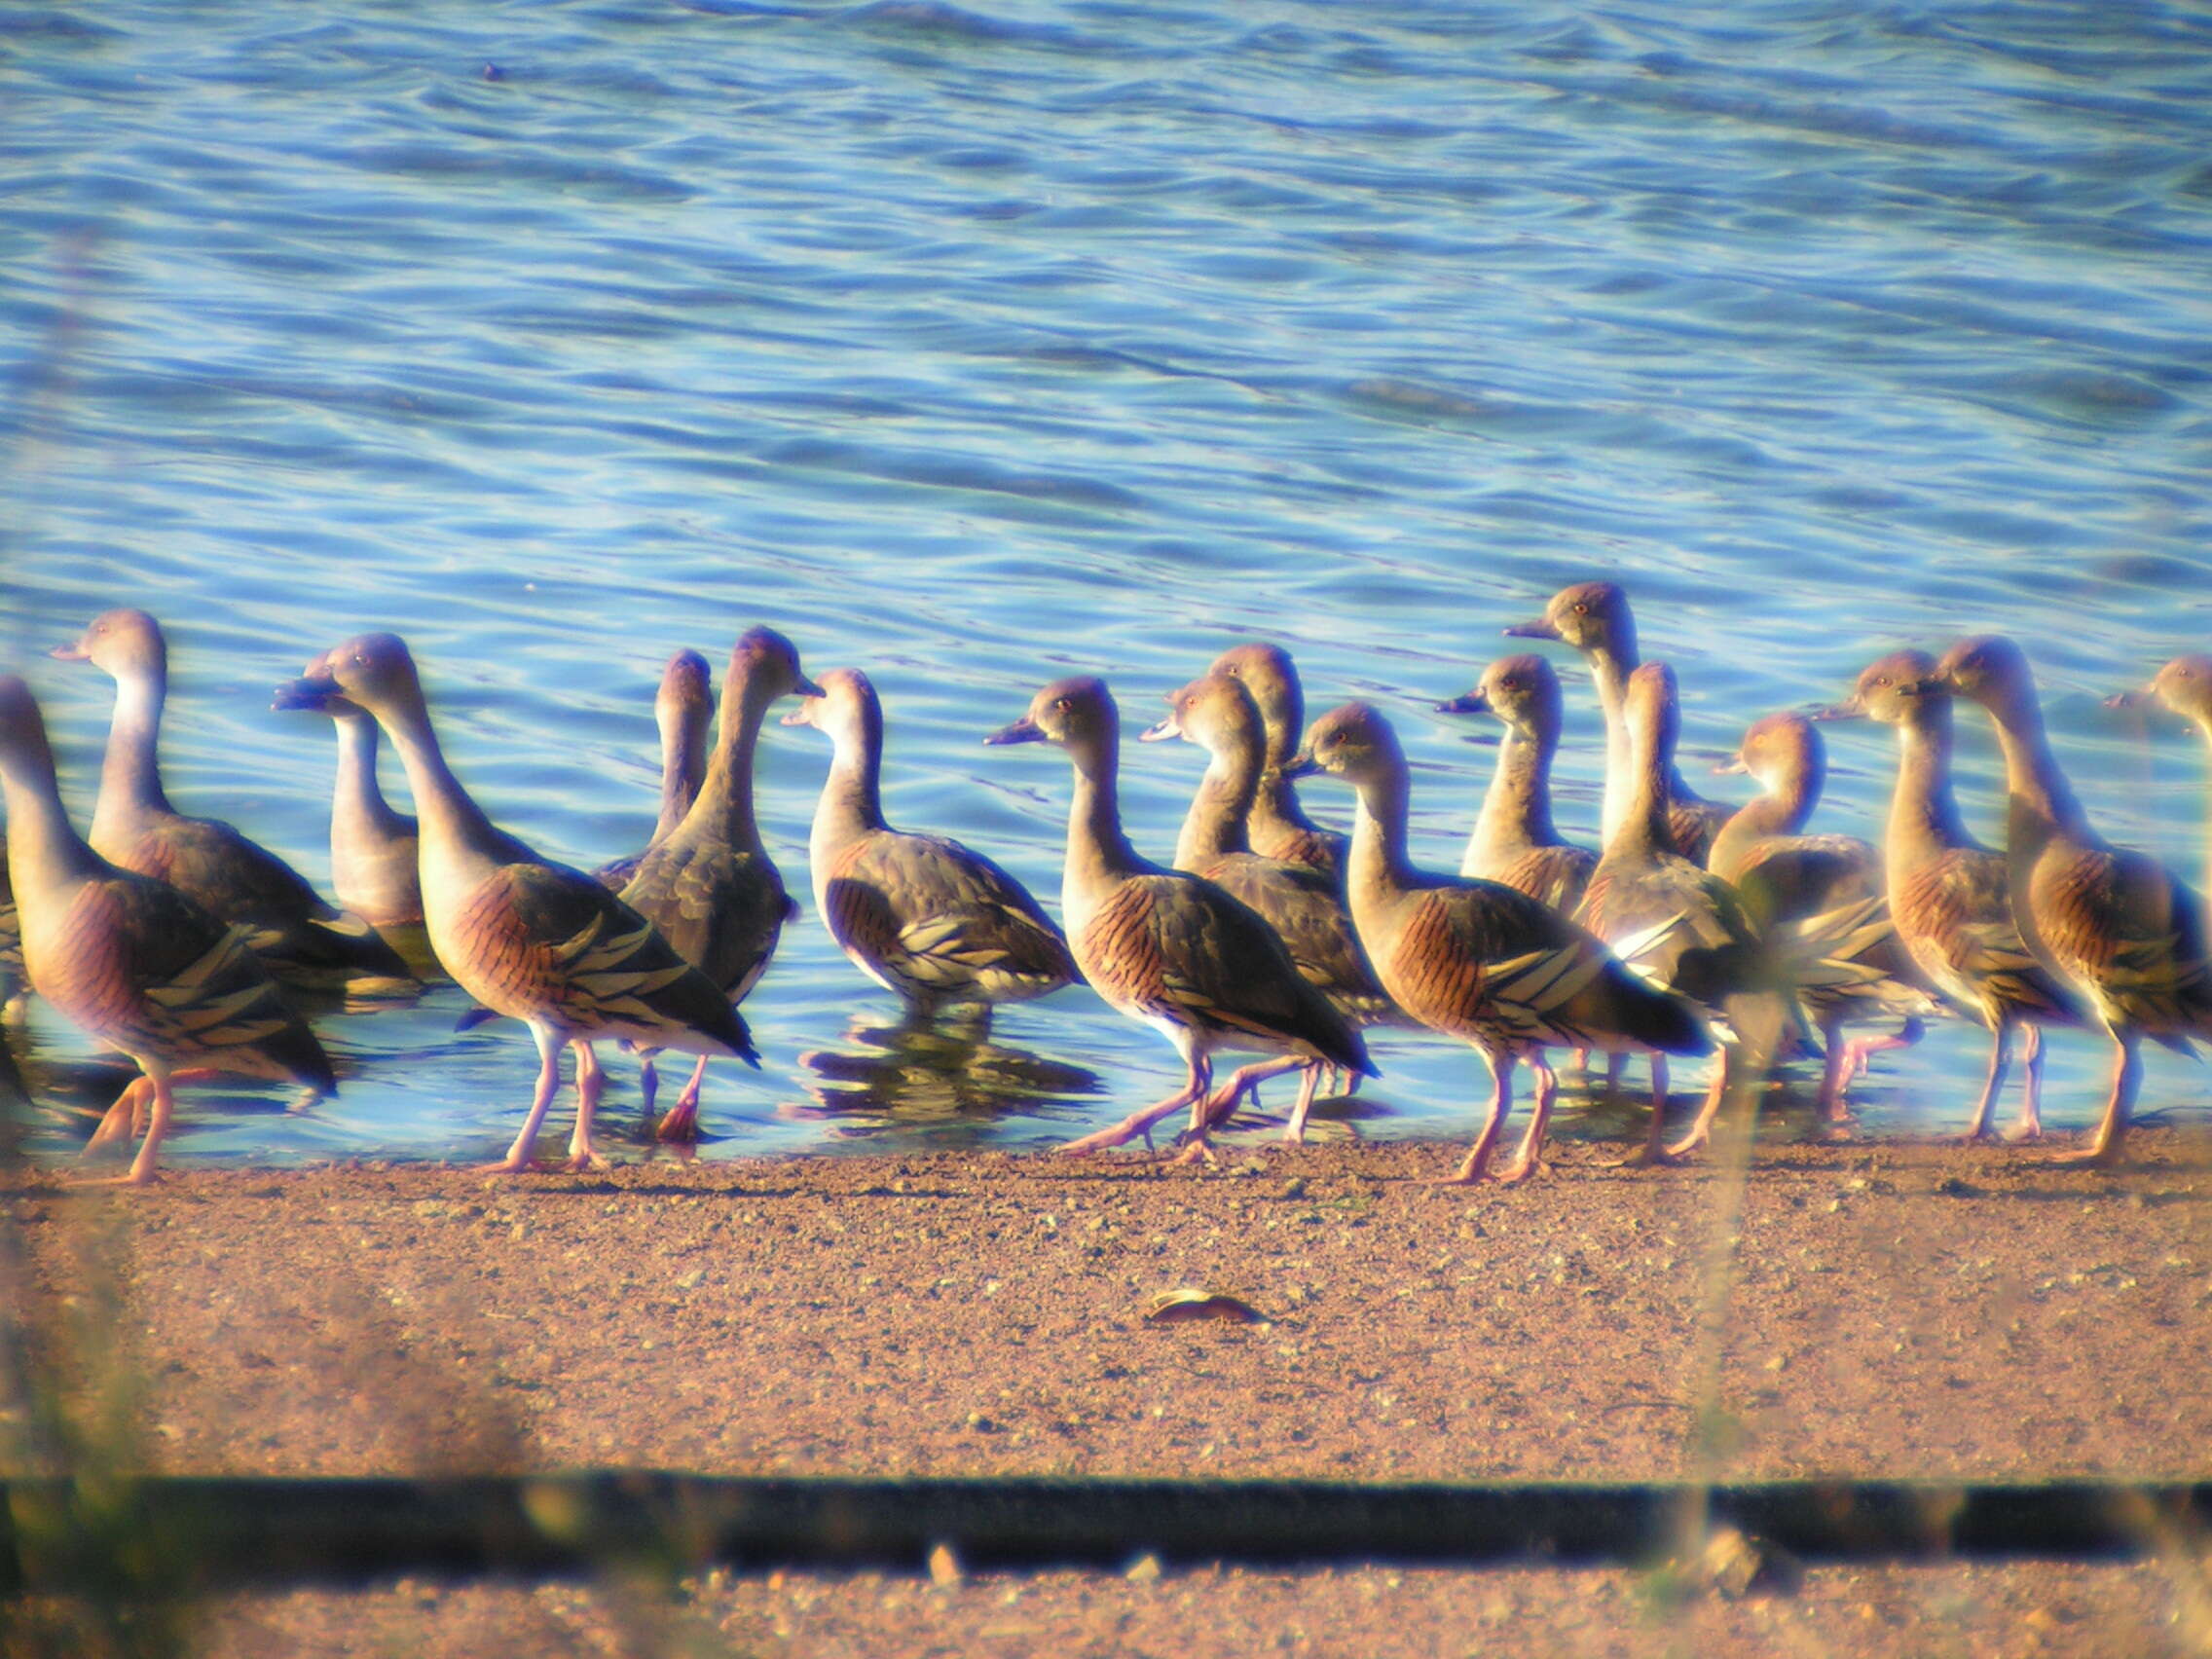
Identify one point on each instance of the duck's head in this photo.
(2184, 686)
(1269, 675)
(1784, 753)
(121, 642)
(843, 707)
(371, 672)
(1589, 616)
(764, 660)
(1075, 713)
(1353, 741)
(1989, 669)
(1521, 690)
(687, 695)
(1894, 689)
(1215, 712)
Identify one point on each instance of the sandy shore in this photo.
(1887, 1309)
(2006, 1610)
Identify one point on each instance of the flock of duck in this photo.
(1693, 928)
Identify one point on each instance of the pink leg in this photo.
(1702, 1131)
(2000, 1062)
(123, 1119)
(591, 1077)
(2028, 1128)
(1477, 1160)
(2104, 1147)
(1836, 1073)
(1654, 1149)
(1140, 1123)
(1244, 1082)
(1529, 1161)
(1295, 1134)
(682, 1121)
(518, 1159)
(142, 1171)
(1858, 1051)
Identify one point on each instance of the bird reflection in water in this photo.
(947, 1077)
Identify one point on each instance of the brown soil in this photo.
(2009, 1610)
(1891, 1309)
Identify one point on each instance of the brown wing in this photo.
(2128, 935)
(1675, 926)
(543, 941)
(305, 939)
(1692, 824)
(1553, 875)
(1177, 948)
(1323, 850)
(723, 908)
(1493, 965)
(143, 967)
(1304, 908)
(943, 923)
(1953, 915)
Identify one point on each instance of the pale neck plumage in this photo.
(1377, 869)
(456, 838)
(357, 800)
(1099, 852)
(1642, 829)
(1609, 669)
(131, 775)
(2041, 800)
(1782, 809)
(681, 763)
(1213, 829)
(723, 808)
(1924, 815)
(45, 856)
(1517, 812)
(851, 804)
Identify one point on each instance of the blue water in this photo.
(976, 345)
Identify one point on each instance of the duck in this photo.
(1594, 618)
(1948, 893)
(1278, 827)
(2116, 928)
(2182, 687)
(522, 935)
(681, 708)
(1678, 926)
(132, 961)
(1476, 959)
(308, 942)
(1787, 878)
(372, 845)
(709, 884)
(11, 940)
(934, 922)
(1513, 841)
(1165, 947)
(1303, 905)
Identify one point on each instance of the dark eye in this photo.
(1062, 704)
(1581, 609)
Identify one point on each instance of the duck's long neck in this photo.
(1924, 815)
(1378, 868)
(1517, 812)
(850, 806)
(1099, 852)
(1642, 827)
(2041, 800)
(1783, 809)
(45, 854)
(683, 760)
(357, 800)
(1609, 669)
(724, 806)
(1214, 827)
(131, 775)
(455, 835)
